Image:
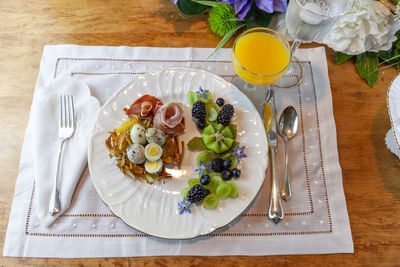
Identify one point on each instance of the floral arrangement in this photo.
(368, 33)
(226, 17)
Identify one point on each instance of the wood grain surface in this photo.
(371, 174)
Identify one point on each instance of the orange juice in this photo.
(260, 58)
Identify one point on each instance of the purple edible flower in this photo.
(174, 1)
(202, 168)
(184, 206)
(201, 93)
(242, 7)
(238, 153)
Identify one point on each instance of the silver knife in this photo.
(275, 212)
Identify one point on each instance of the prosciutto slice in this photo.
(169, 118)
(144, 107)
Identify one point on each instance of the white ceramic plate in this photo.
(393, 102)
(153, 209)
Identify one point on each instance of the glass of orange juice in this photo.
(260, 56)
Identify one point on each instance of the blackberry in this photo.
(217, 165)
(200, 124)
(197, 193)
(226, 114)
(199, 110)
(220, 102)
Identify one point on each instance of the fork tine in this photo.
(60, 105)
(62, 111)
(72, 112)
(68, 112)
(65, 111)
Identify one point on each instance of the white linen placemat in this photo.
(316, 219)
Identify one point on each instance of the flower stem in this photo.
(390, 59)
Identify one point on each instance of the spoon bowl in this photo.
(288, 123)
(287, 128)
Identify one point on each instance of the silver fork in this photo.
(65, 131)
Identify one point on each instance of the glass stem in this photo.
(258, 94)
(296, 43)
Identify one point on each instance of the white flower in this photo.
(397, 13)
(368, 26)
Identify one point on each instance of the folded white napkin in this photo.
(46, 143)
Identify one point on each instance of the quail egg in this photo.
(135, 153)
(154, 135)
(153, 166)
(153, 152)
(138, 134)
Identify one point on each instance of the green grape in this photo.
(210, 201)
(223, 190)
(234, 189)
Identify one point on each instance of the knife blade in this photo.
(275, 212)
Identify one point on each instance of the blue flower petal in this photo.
(180, 205)
(189, 211)
(266, 5)
(280, 5)
(241, 8)
(181, 211)
(229, 2)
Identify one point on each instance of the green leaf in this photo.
(385, 55)
(191, 8)
(341, 57)
(263, 18)
(226, 38)
(250, 18)
(196, 143)
(206, 3)
(368, 67)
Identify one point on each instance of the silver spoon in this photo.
(288, 124)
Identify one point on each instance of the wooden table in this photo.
(371, 174)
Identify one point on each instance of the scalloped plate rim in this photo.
(119, 91)
(394, 85)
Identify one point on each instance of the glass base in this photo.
(293, 76)
(258, 94)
